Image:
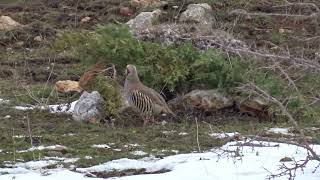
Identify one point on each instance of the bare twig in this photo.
(198, 135)
(300, 4)
(258, 91)
(30, 136)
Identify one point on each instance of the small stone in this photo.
(85, 19)
(197, 13)
(281, 31)
(38, 38)
(144, 20)
(67, 86)
(286, 159)
(20, 43)
(135, 4)
(7, 23)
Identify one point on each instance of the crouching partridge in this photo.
(142, 98)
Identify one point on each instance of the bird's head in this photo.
(131, 72)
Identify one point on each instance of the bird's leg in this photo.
(145, 120)
(152, 119)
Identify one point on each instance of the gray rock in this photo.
(144, 20)
(208, 100)
(254, 106)
(89, 108)
(7, 23)
(198, 13)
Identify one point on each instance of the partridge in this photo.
(142, 98)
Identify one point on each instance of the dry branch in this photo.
(301, 5)
(252, 88)
(244, 13)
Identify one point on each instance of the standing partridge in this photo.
(142, 98)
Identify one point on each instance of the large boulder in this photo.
(7, 23)
(89, 108)
(144, 20)
(198, 13)
(208, 100)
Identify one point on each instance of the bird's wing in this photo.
(154, 95)
(157, 99)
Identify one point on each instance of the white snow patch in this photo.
(253, 164)
(62, 159)
(46, 161)
(312, 128)
(24, 136)
(53, 174)
(10, 171)
(212, 165)
(117, 150)
(183, 134)
(60, 108)
(3, 101)
(224, 135)
(42, 148)
(33, 164)
(131, 145)
(7, 117)
(88, 157)
(169, 132)
(102, 146)
(139, 153)
(283, 131)
(175, 151)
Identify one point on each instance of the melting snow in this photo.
(183, 134)
(131, 145)
(283, 131)
(312, 129)
(175, 151)
(254, 163)
(139, 153)
(24, 136)
(169, 132)
(7, 117)
(41, 148)
(100, 146)
(88, 157)
(61, 108)
(3, 101)
(223, 135)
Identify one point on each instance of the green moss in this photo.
(110, 90)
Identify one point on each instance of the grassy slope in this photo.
(53, 128)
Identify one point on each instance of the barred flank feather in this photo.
(142, 102)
